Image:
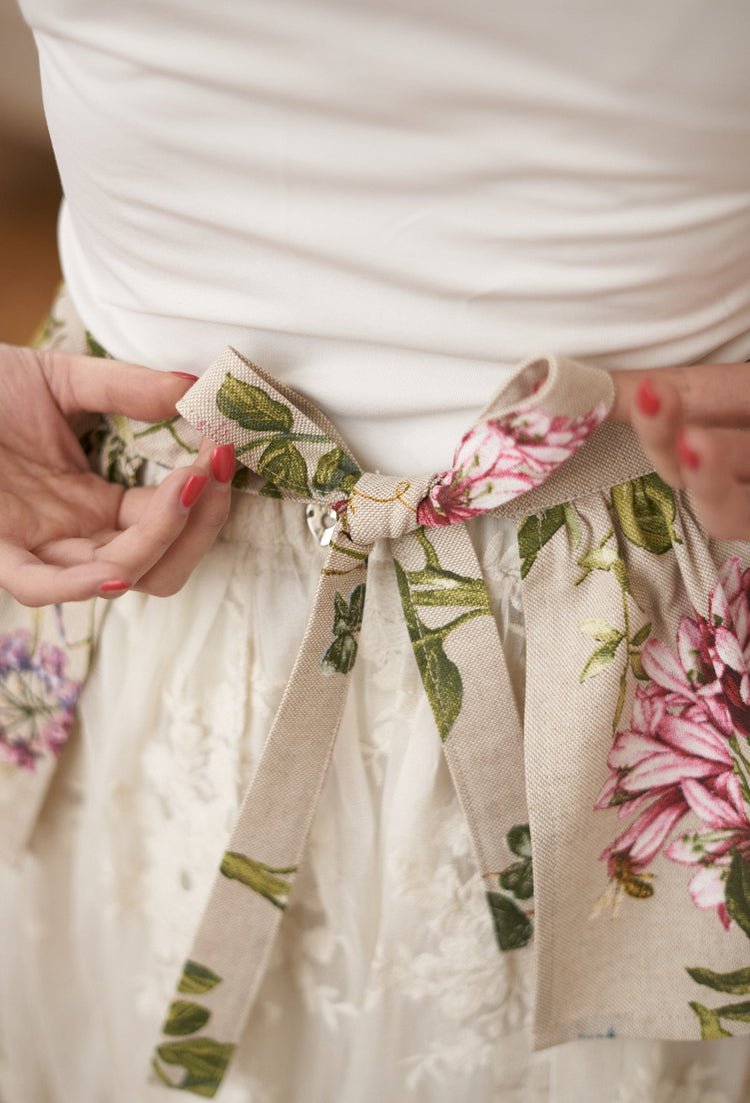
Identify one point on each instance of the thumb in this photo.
(99, 385)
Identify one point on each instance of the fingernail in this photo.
(222, 463)
(185, 375)
(688, 456)
(114, 586)
(192, 490)
(646, 399)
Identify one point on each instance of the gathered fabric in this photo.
(635, 707)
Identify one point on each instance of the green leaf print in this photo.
(572, 524)
(93, 348)
(641, 635)
(252, 408)
(185, 1017)
(197, 979)
(518, 880)
(204, 1060)
(601, 629)
(282, 464)
(736, 983)
(646, 510)
(513, 928)
(711, 1028)
(735, 1012)
(348, 615)
(534, 532)
(263, 879)
(601, 658)
(434, 586)
(441, 678)
(341, 655)
(440, 675)
(268, 490)
(519, 840)
(738, 892)
(335, 471)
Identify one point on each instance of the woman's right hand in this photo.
(65, 533)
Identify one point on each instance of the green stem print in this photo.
(435, 587)
(609, 637)
(168, 424)
(263, 879)
(513, 925)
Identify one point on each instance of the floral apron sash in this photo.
(638, 638)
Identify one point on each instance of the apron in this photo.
(609, 814)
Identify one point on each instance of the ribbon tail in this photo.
(231, 949)
(466, 680)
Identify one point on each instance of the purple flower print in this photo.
(37, 699)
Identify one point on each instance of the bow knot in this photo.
(384, 506)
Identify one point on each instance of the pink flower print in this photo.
(502, 458)
(37, 699)
(712, 850)
(686, 750)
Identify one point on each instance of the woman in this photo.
(369, 202)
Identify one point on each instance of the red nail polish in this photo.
(185, 375)
(192, 490)
(222, 463)
(114, 586)
(646, 399)
(688, 456)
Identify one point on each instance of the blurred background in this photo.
(29, 187)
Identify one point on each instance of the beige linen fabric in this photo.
(617, 573)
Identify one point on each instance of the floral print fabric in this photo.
(667, 667)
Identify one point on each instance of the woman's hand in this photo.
(65, 533)
(694, 425)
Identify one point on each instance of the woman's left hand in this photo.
(694, 425)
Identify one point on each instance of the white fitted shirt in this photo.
(388, 204)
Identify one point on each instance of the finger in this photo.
(715, 469)
(657, 418)
(34, 583)
(177, 559)
(98, 385)
(206, 520)
(138, 547)
(711, 394)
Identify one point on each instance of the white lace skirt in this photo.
(386, 984)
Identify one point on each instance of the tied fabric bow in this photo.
(538, 420)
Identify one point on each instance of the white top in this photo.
(387, 203)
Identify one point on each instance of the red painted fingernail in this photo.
(114, 586)
(186, 375)
(222, 463)
(192, 490)
(646, 399)
(688, 456)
